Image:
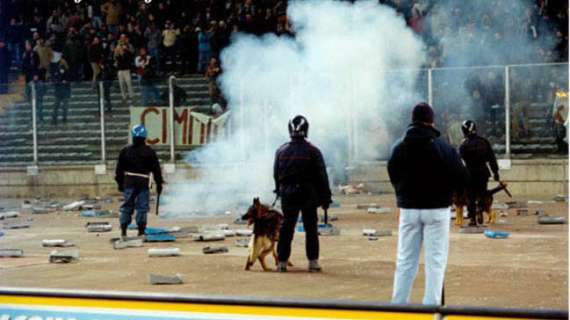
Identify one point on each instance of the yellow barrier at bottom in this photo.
(81, 308)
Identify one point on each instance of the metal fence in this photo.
(515, 106)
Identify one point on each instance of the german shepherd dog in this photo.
(460, 200)
(266, 225)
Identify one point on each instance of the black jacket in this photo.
(137, 158)
(476, 151)
(425, 170)
(300, 175)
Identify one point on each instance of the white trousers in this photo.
(430, 227)
(125, 83)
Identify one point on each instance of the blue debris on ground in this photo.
(496, 234)
(155, 234)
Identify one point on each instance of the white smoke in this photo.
(336, 72)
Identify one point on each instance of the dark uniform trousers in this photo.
(310, 221)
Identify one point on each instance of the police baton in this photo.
(157, 202)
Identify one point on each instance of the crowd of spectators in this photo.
(114, 39)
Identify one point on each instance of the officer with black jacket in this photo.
(136, 163)
(476, 152)
(302, 183)
(425, 171)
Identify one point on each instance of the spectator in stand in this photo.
(95, 59)
(107, 75)
(14, 40)
(204, 49)
(560, 130)
(123, 61)
(74, 52)
(112, 10)
(189, 49)
(179, 94)
(5, 61)
(153, 36)
(62, 90)
(169, 36)
(212, 74)
(45, 54)
(30, 66)
(145, 70)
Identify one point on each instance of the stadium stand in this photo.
(181, 37)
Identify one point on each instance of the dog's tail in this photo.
(500, 187)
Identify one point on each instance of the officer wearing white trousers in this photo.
(425, 171)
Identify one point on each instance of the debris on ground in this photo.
(184, 232)
(561, 198)
(128, 243)
(372, 238)
(212, 250)
(327, 230)
(367, 206)
(159, 237)
(503, 214)
(11, 253)
(57, 243)
(242, 243)
(156, 279)
(240, 221)
(229, 233)
(99, 226)
(74, 206)
(17, 225)
(9, 215)
(539, 212)
(496, 234)
(551, 220)
(352, 189)
(209, 236)
(522, 212)
(163, 252)
(500, 206)
(244, 232)
(516, 204)
(379, 210)
(41, 210)
(98, 214)
(369, 232)
(65, 256)
(472, 229)
(534, 202)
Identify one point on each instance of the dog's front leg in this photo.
(458, 215)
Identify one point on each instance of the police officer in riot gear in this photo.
(302, 183)
(136, 163)
(476, 152)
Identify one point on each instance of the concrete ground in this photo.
(527, 270)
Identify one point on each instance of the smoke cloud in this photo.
(337, 71)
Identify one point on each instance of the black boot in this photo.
(124, 230)
(141, 229)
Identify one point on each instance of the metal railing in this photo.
(523, 87)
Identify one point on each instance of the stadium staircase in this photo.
(79, 141)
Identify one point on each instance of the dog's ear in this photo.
(256, 202)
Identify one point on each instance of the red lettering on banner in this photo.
(164, 125)
(184, 120)
(143, 120)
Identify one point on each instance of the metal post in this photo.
(34, 123)
(507, 113)
(102, 121)
(430, 87)
(171, 116)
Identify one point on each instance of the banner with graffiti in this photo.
(190, 128)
